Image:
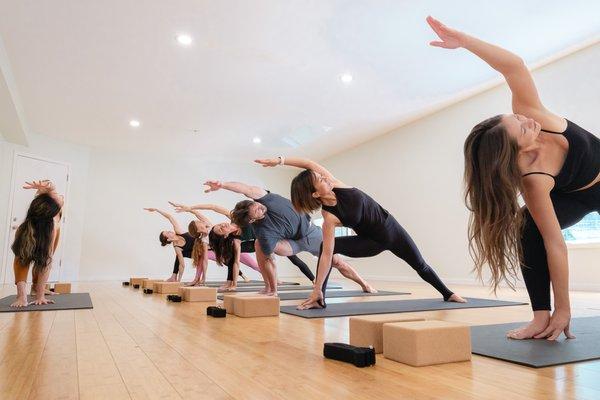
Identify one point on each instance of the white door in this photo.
(25, 169)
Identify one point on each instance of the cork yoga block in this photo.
(198, 293)
(167, 287)
(228, 303)
(423, 343)
(62, 287)
(263, 306)
(136, 281)
(368, 330)
(149, 283)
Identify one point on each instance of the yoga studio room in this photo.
(299, 199)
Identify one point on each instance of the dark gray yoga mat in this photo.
(251, 283)
(393, 306)
(491, 341)
(68, 301)
(301, 295)
(280, 288)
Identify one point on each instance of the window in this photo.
(585, 231)
(339, 231)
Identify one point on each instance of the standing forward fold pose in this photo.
(36, 241)
(552, 162)
(187, 245)
(280, 230)
(343, 205)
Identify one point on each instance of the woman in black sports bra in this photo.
(555, 169)
(342, 205)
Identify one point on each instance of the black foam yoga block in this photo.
(359, 356)
(216, 312)
(174, 297)
(148, 291)
(137, 286)
(125, 283)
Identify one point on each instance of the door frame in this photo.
(13, 186)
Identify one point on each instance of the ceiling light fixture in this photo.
(134, 123)
(346, 78)
(184, 40)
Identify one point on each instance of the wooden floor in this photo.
(141, 347)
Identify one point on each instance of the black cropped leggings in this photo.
(570, 208)
(394, 238)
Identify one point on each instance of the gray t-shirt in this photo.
(280, 222)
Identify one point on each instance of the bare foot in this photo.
(20, 302)
(309, 306)
(245, 278)
(263, 291)
(41, 302)
(369, 289)
(172, 279)
(271, 293)
(536, 326)
(456, 299)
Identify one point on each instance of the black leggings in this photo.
(248, 247)
(570, 208)
(395, 239)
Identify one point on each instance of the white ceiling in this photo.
(84, 68)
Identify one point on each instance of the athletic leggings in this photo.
(395, 239)
(570, 208)
(245, 259)
(248, 247)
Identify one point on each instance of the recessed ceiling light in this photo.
(256, 140)
(184, 40)
(346, 78)
(134, 123)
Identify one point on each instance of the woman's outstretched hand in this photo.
(213, 186)
(150, 209)
(43, 185)
(179, 208)
(450, 38)
(560, 322)
(268, 162)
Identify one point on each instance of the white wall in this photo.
(75, 155)
(416, 170)
(121, 240)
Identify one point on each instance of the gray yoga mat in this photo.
(301, 295)
(280, 288)
(251, 283)
(491, 341)
(68, 301)
(393, 306)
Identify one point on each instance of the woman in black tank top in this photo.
(342, 205)
(553, 163)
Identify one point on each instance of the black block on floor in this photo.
(358, 356)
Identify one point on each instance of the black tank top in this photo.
(246, 235)
(582, 163)
(357, 210)
(187, 247)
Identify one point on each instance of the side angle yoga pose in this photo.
(342, 205)
(552, 162)
(36, 241)
(280, 230)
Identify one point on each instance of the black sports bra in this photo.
(582, 163)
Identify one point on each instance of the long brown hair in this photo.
(492, 186)
(199, 247)
(224, 248)
(33, 239)
(302, 190)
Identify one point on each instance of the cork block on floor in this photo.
(167, 287)
(62, 287)
(368, 330)
(136, 281)
(423, 343)
(262, 306)
(149, 283)
(198, 293)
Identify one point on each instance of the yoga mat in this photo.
(281, 288)
(301, 295)
(394, 306)
(491, 341)
(68, 301)
(251, 283)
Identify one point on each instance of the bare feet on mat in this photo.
(263, 291)
(172, 279)
(456, 299)
(369, 289)
(540, 322)
(20, 302)
(41, 302)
